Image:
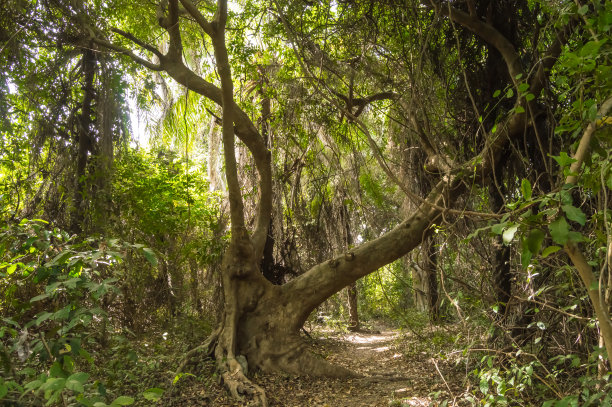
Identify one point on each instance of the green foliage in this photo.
(512, 379)
(383, 294)
(54, 289)
(167, 205)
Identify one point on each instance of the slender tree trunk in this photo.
(214, 151)
(419, 287)
(195, 284)
(353, 312)
(425, 279)
(85, 142)
(352, 288)
(502, 278)
(107, 114)
(431, 277)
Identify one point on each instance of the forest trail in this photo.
(393, 375)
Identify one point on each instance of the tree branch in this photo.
(129, 53)
(227, 104)
(198, 17)
(585, 271)
(137, 41)
(172, 63)
(487, 33)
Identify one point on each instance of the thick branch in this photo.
(172, 63)
(538, 81)
(325, 279)
(198, 17)
(573, 251)
(487, 33)
(227, 103)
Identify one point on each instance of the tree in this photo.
(261, 321)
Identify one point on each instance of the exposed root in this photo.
(239, 386)
(207, 346)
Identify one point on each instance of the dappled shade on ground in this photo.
(393, 374)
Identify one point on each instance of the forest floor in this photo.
(398, 370)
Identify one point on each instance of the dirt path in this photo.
(391, 377)
(387, 374)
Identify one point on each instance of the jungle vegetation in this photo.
(228, 171)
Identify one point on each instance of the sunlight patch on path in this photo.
(369, 338)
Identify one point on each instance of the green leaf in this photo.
(76, 381)
(574, 214)
(519, 109)
(60, 258)
(509, 93)
(526, 189)
(150, 255)
(509, 234)
(43, 317)
(526, 257)
(39, 297)
(153, 394)
(534, 240)
(559, 230)
(523, 87)
(591, 49)
(592, 112)
(11, 269)
(563, 159)
(582, 10)
(62, 314)
(498, 228)
(496, 93)
(122, 401)
(33, 385)
(484, 386)
(529, 97)
(80, 377)
(3, 390)
(575, 236)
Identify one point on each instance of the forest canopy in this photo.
(232, 173)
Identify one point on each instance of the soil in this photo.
(397, 371)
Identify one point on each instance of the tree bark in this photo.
(502, 282)
(352, 307)
(425, 279)
(585, 271)
(84, 140)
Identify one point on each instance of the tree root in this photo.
(232, 372)
(208, 346)
(239, 386)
